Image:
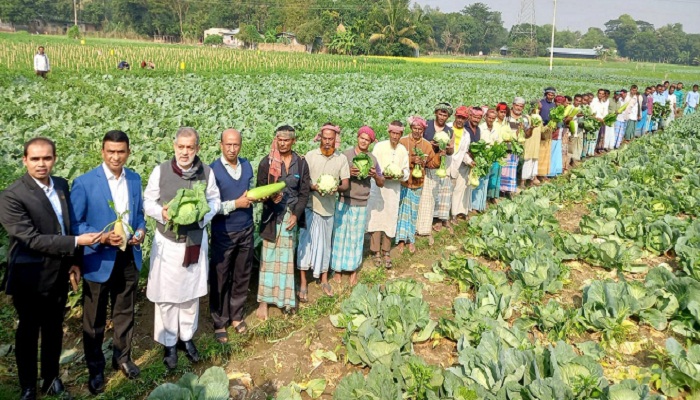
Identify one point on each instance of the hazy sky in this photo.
(581, 14)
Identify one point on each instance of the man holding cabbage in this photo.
(351, 208)
(330, 173)
(182, 196)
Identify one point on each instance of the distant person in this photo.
(148, 65)
(123, 65)
(41, 63)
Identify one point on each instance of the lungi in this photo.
(314, 251)
(545, 157)
(630, 128)
(576, 147)
(600, 142)
(383, 207)
(276, 284)
(688, 110)
(408, 213)
(592, 138)
(565, 149)
(555, 165)
(348, 237)
(620, 128)
(639, 125)
(479, 194)
(443, 199)
(509, 174)
(530, 169)
(462, 193)
(429, 202)
(610, 137)
(494, 187)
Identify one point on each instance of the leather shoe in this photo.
(128, 368)
(55, 388)
(190, 350)
(28, 394)
(170, 357)
(96, 383)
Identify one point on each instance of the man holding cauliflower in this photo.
(330, 173)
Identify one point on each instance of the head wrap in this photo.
(502, 107)
(368, 131)
(334, 128)
(417, 120)
(396, 128)
(477, 111)
(550, 90)
(519, 100)
(559, 99)
(444, 106)
(275, 157)
(462, 111)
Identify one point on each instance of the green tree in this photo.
(485, 28)
(595, 37)
(621, 30)
(395, 27)
(249, 35)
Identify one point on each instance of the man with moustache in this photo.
(178, 270)
(110, 274)
(43, 253)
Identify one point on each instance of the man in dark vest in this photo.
(231, 238)
(34, 210)
(177, 277)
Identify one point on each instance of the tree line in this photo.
(386, 27)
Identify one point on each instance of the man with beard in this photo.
(461, 163)
(383, 203)
(351, 209)
(599, 109)
(178, 270)
(281, 216)
(634, 113)
(314, 251)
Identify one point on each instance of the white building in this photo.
(229, 36)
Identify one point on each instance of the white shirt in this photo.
(120, 195)
(672, 102)
(55, 202)
(41, 62)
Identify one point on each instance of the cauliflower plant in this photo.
(442, 139)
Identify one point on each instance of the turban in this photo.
(462, 111)
(477, 111)
(396, 128)
(416, 120)
(445, 106)
(559, 99)
(520, 100)
(502, 107)
(331, 127)
(368, 131)
(550, 90)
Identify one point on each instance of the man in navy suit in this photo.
(35, 212)
(110, 269)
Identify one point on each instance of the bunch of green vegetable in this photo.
(364, 163)
(660, 111)
(556, 116)
(188, 206)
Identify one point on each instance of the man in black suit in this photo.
(35, 212)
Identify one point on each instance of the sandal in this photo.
(303, 295)
(221, 337)
(241, 328)
(377, 260)
(387, 263)
(327, 289)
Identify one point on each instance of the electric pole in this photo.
(525, 28)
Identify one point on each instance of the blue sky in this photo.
(581, 14)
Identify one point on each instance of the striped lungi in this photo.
(408, 213)
(479, 194)
(314, 251)
(509, 174)
(600, 142)
(555, 164)
(620, 127)
(630, 129)
(348, 237)
(565, 149)
(530, 169)
(576, 147)
(443, 199)
(276, 284)
(494, 186)
(428, 202)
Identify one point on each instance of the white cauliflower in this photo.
(442, 139)
(326, 184)
(393, 171)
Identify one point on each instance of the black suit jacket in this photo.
(39, 256)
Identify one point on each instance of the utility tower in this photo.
(525, 30)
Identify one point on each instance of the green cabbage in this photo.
(188, 206)
(364, 163)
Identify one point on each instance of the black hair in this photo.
(578, 95)
(115, 136)
(288, 128)
(37, 140)
(568, 98)
(396, 122)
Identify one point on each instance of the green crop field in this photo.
(586, 287)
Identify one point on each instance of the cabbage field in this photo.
(586, 287)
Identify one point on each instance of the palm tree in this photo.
(397, 26)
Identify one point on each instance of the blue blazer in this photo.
(90, 197)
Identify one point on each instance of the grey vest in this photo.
(169, 184)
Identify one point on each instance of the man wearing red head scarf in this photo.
(351, 208)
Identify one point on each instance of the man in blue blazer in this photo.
(110, 267)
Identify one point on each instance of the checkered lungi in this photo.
(565, 148)
(443, 201)
(479, 194)
(276, 284)
(348, 237)
(494, 186)
(314, 250)
(620, 127)
(509, 174)
(408, 213)
(428, 202)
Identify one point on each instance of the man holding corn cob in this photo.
(111, 267)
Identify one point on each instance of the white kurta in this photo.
(168, 280)
(383, 203)
(458, 171)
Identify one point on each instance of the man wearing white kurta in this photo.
(460, 165)
(178, 273)
(383, 203)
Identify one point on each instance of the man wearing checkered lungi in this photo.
(437, 191)
(351, 209)
(281, 216)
